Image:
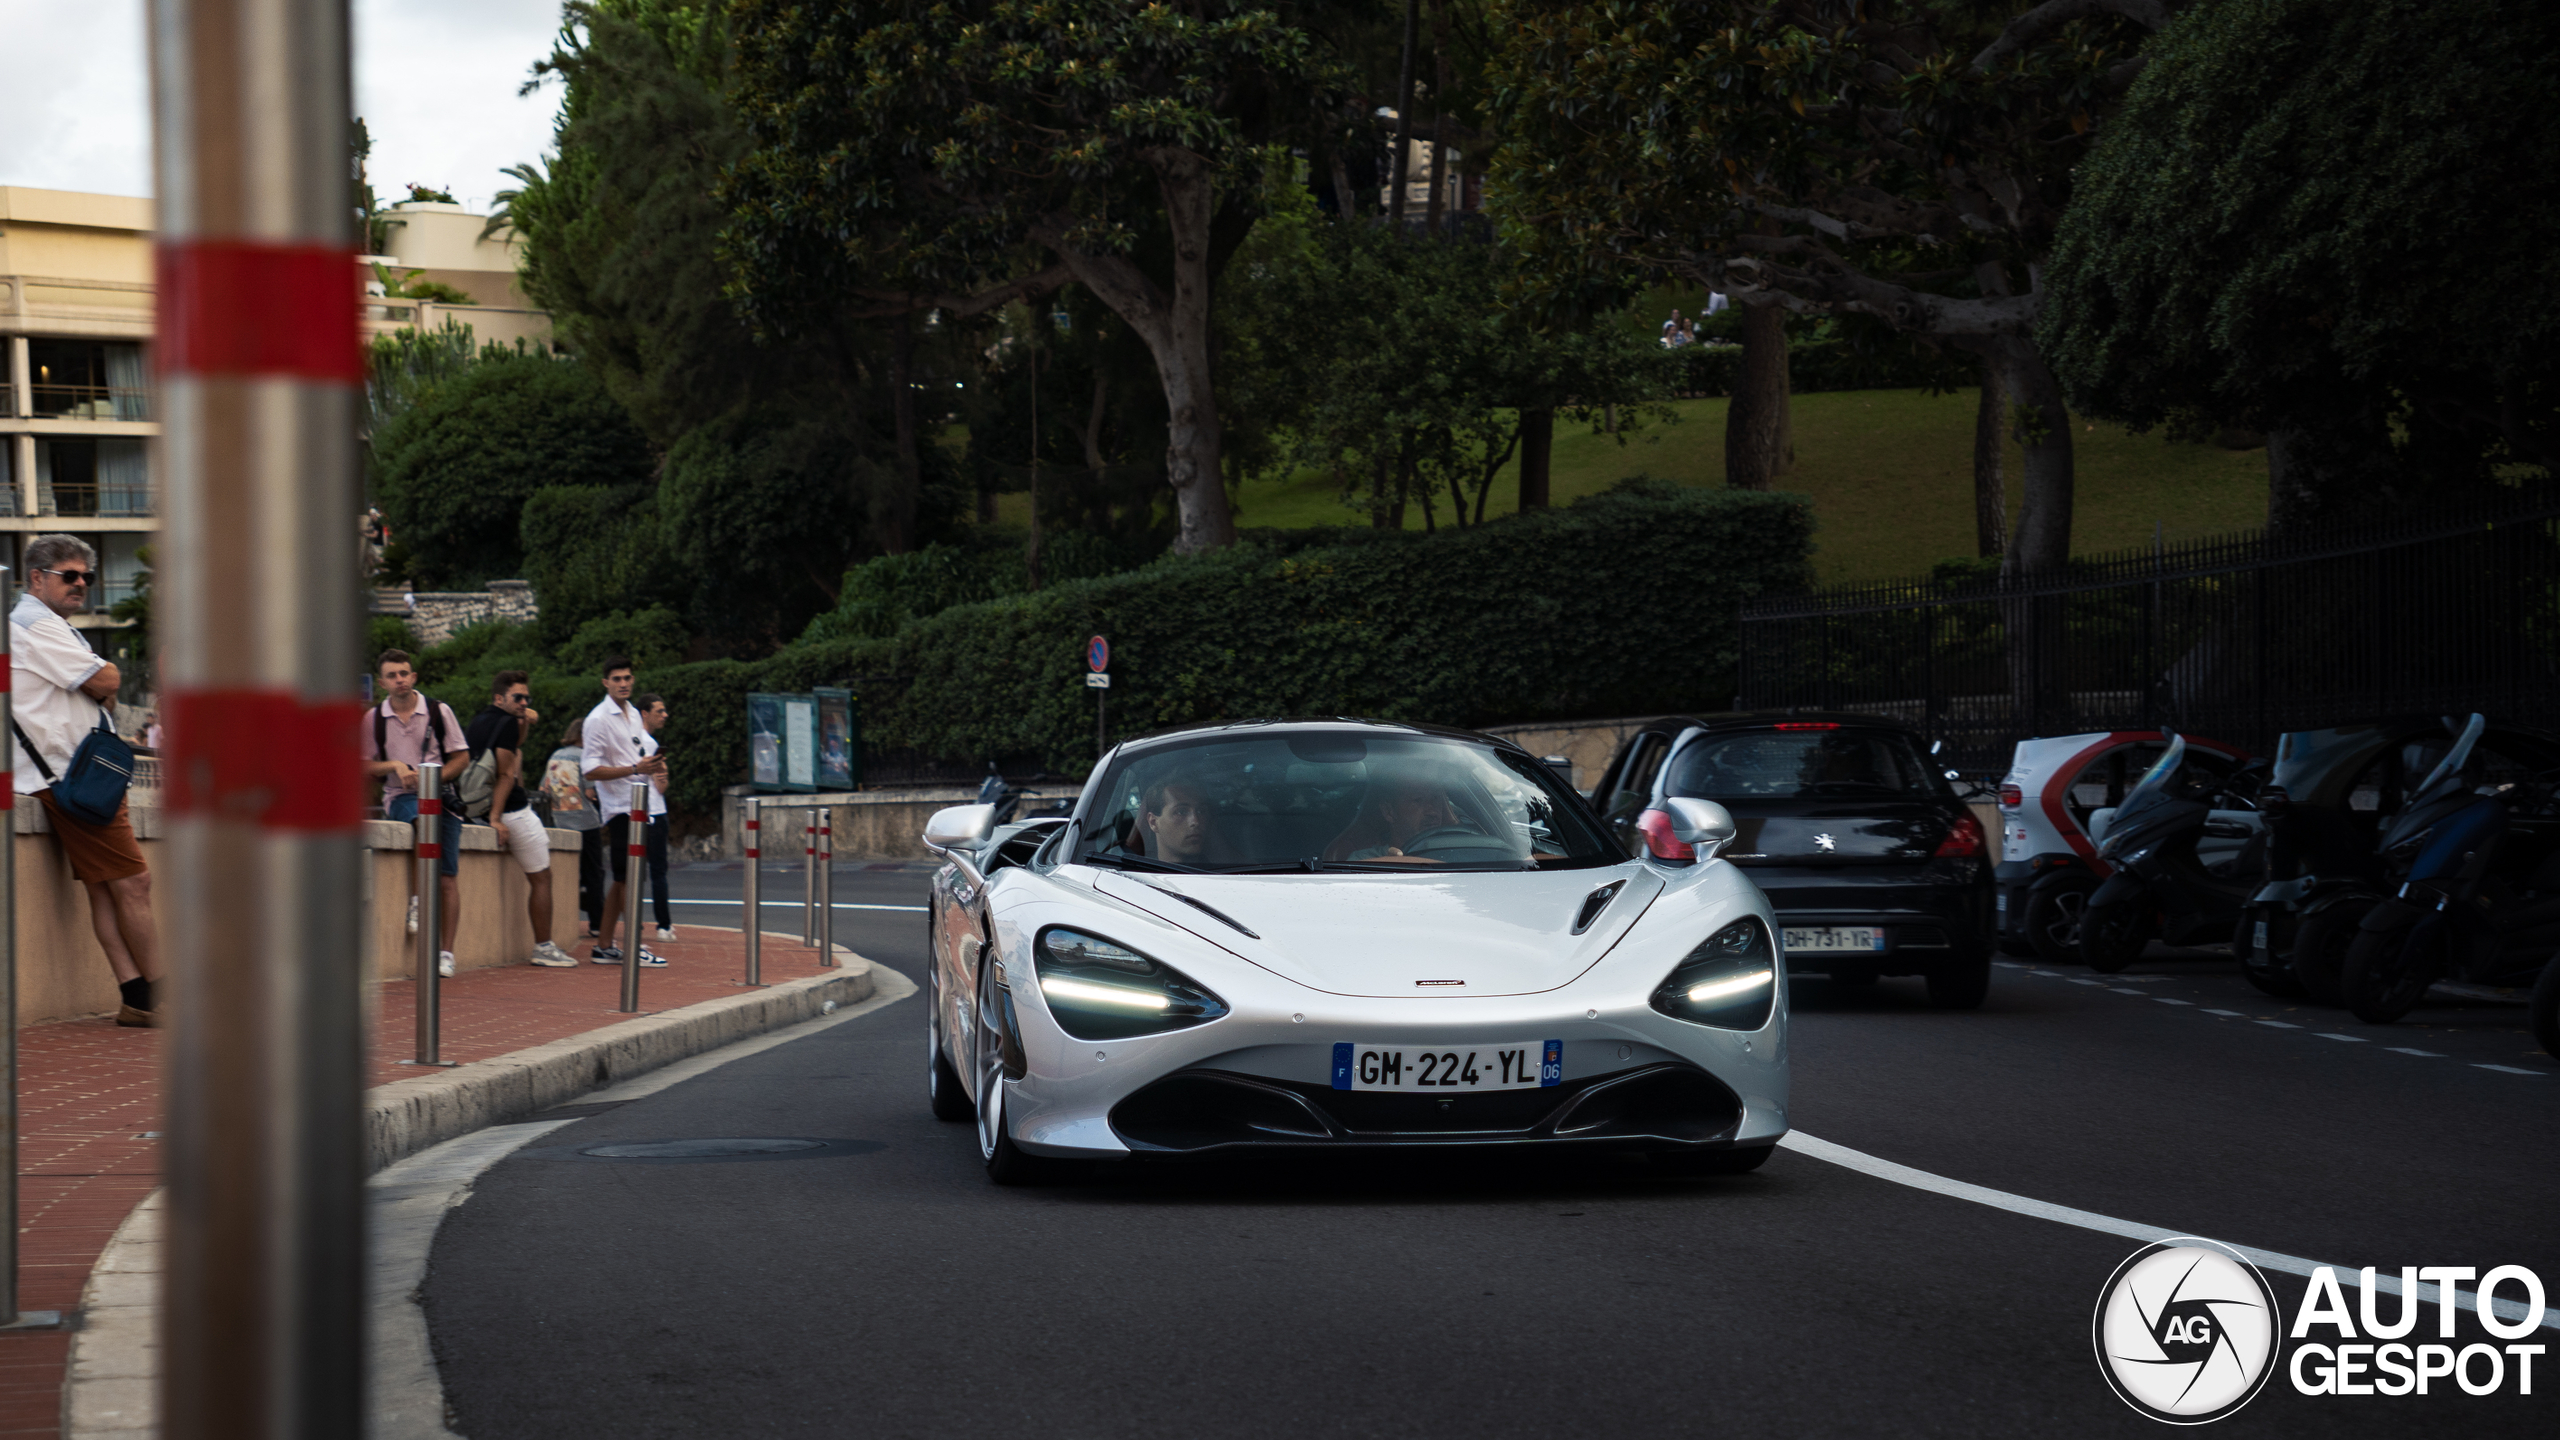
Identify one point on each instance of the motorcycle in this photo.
(995, 791)
(2161, 887)
(2478, 897)
(2322, 870)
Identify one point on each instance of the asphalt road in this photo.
(886, 1289)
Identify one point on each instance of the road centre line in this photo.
(2167, 1000)
(1905, 1175)
(2331, 1035)
(2421, 1054)
(802, 904)
(2279, 1024)
(2233, 1014)
(2506, 1069)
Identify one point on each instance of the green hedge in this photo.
(1622, 604)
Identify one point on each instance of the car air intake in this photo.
(1597, 901)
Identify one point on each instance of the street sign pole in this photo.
(263, 1290)
(1097, 661)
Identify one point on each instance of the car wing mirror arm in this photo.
(955, 833)
(1706, 826)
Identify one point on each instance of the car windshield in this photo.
(1335, 799)
(1803, 764)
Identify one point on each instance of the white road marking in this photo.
(2350, 1039)
(2008, 964)
(803, 904)
(2234, 1014)
(1866, 1164)
(2279, 1024)
(2165, 1000)
(2077, 981)
(2506, 1069)
(2421, 1054)
(2122, 991)
(2048, 974)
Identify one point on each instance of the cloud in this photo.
(436, 82)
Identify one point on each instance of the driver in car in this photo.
(1412, 807)
(1174, 817)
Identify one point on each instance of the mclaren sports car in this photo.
(1337, 935)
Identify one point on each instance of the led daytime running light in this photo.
(1739, 984)
(1066, 989)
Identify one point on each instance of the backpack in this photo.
(477, 785)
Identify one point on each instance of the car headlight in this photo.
(1101, 990)
(1729, 982)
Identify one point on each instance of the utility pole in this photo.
(263, 1320)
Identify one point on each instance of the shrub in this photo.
(1624, 603)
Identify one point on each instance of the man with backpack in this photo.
(400, 735)
(58, 689)
(493, 790)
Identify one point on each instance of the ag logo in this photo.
(2186, 1331)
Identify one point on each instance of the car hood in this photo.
(1496, 933)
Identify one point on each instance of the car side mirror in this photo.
(1706, 826)
(959, 825)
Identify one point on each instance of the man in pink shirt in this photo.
(399, 736)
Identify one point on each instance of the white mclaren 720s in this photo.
(1342, 935)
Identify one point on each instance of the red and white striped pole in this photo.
(827, 886)
(430, 857)
(263, 1321)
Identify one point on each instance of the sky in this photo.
(436, 83)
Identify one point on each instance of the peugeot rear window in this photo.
(1804, 765)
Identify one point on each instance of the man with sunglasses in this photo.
(58, 687)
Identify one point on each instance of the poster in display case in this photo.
(839, 740)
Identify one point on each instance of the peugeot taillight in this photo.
(1964, 839)
(1808, 725)
(1655, 826)
(2011, 797)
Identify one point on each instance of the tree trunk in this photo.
(1344, 200)
(893, 510)
(1537, 456)
(1759, 440)
(1404, 121)
(1990, 495)
(1176, 329)
(2042, 543)
(1031, 552)
(1438, 206)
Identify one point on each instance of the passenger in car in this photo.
(1174, 818)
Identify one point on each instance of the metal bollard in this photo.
(826, 887)
(635, 854)
(808, 877)
(430, 846)
(755, 893)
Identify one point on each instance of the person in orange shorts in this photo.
(58, 687)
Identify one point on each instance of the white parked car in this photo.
(1340, 935)
(2055, 803)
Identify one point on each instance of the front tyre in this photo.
(2388, 971)
(1960, 984)
(2320, 947)
(2054, 913)
(2545, 1008)
(1007, 1163)
(2112, 936)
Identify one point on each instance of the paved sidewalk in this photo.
(89, 1108)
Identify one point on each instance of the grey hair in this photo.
(48, 551)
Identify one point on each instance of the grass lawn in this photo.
(1891, 476)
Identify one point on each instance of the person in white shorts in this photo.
(501, 726)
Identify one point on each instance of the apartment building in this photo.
(76, 413)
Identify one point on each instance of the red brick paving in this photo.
(89, 1096)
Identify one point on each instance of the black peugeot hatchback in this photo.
(1872, 863)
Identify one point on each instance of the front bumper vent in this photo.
(1661, 1106)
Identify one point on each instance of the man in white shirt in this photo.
(58, 687)
(619, 748)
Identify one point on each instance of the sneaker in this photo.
(413, 914)
(606, 954)
(552, 956)
(650, 961)
(133, 1019)
(666, 932)
(444, 963)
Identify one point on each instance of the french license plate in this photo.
(2000, 901)
(1834, 938)
(1440, 1070)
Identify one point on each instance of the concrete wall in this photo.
(62, 974)
(439, 613)
(1587, 743)
(869, 825)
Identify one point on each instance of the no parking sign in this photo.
(1097, 654)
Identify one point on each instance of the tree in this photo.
(1905, 159)
(2329, 222)
(455, 470)
(957, 156)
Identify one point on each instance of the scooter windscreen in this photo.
(2148, 793)
(2422, 810)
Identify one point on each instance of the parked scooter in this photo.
(2322, 871)
(2478, 898)
(995, 791)
(2161, 888)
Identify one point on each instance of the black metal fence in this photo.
(2239, 638)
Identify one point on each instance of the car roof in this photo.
(1310, 723)
(1765, 719)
